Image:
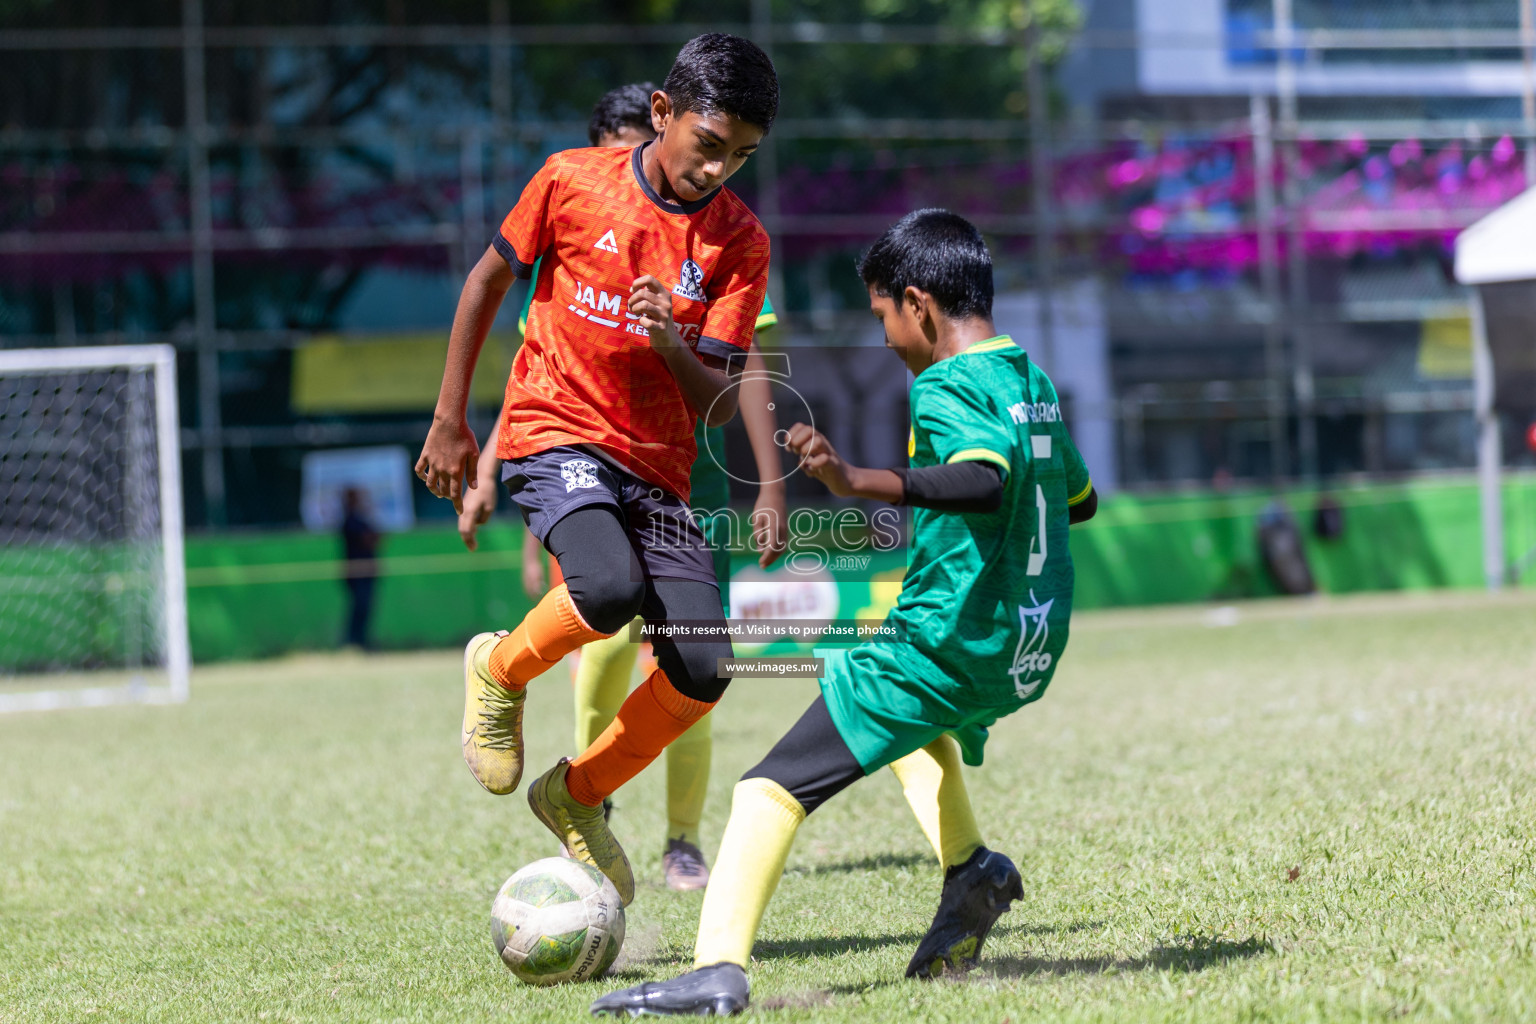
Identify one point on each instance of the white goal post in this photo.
(93, 597)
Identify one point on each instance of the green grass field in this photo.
(1323, 811)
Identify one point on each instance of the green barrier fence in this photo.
(260, 595)
(1203, 547)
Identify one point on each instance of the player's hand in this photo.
(770, 524)
(819, 459)
(650, 300)
(449, 461)
(479, 503)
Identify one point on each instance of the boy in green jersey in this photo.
(981, 623)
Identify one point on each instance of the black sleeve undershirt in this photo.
(972, 486)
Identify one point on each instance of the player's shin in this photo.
(688, 761)
(935, 790)
(550, 631)
(764, 820)
(602, 682)
(654, 715)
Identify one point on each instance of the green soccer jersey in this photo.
(982, 617)
(988, 595)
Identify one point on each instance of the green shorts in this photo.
(888, 699)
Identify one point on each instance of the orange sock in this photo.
(651, 717)
(553, 629)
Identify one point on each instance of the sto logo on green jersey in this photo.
(1030, 658)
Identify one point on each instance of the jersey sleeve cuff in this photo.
(721, 349)
(981, 455)
(765, 321)
(1081, 495)
(520, 270)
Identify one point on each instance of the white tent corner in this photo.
(1499, 249)
(1501, 246)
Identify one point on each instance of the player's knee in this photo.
(607, 605)
(694, 669)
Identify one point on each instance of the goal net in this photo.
(92, 582)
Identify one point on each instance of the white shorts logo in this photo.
(578, 473)
(690, 281)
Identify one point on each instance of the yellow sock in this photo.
(602, 682)
(931, 781)
(764, 819)
(688, 781)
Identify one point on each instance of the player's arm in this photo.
(1083, 510)
(480, 502)
(1082, 499)
(705, 381)
(770, 513)
(953, 487)
(450, 454)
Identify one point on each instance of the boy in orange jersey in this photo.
(651, 281)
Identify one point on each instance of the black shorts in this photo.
(549, 485)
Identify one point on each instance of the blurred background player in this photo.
(604, 668)
(994, 481)
(600, 407)
(360, 548)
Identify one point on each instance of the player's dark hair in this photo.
(628, 106)
(717, 73)
(935, 251)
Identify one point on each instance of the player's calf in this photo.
(975, 895)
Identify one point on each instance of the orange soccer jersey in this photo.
(586, 373)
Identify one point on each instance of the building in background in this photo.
(1242, 209)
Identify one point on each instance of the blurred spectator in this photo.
(360, 541)
(1284, 555)
(1328, 518)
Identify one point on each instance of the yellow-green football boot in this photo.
(493, 720)
(584, 830)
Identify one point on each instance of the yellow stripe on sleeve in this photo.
(1081, 495)
(980, 455)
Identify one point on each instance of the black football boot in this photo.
(975, 894)
(719, 989)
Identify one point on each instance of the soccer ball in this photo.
(557, 920)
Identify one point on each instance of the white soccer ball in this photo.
(557, 920)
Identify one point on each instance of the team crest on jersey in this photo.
(607, 243)
(690, 281)
(1030, 658)
(578, 473)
